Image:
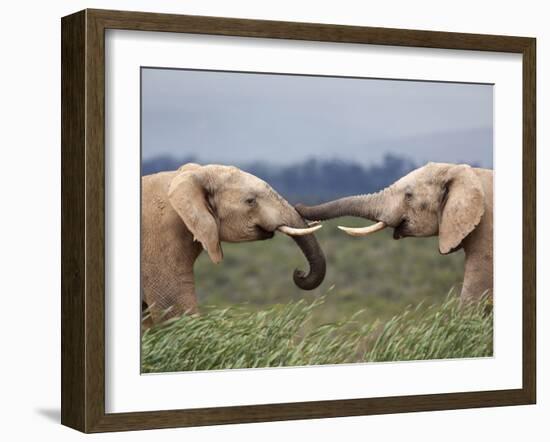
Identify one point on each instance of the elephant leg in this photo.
(146, 319)
(169, 294)
(478, 263)
(478, 277)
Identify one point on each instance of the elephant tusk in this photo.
(363, 231)
(292, 231)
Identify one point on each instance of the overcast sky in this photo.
(237, 118)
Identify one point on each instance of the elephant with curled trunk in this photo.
(197, 207)
(449, 200)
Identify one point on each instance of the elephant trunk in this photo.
(316, 259)
(365, 206)
(310, 248)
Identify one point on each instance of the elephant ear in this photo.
(188, 195)
(462, 207)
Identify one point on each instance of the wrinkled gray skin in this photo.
(198, 207)
(449, 200)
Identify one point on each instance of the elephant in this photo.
(197, 207)
(453, 201)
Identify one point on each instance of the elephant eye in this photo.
(250, 201)
(408, 195)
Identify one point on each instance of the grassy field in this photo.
(382, 300)
(283, 335)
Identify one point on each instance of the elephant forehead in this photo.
(242, 188)
(249, 182)
(429, 176)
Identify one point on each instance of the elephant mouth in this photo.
(401, 230)
(263, 234)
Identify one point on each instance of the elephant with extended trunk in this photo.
(198, 207)
(449, 200)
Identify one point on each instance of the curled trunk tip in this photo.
(317, 264)
(310, 248)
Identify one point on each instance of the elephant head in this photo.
(437, 199)
(223, 203)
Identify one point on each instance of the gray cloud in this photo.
(241, 117)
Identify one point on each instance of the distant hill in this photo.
(313, 180)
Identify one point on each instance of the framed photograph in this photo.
(270, 220)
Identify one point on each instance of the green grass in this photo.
(382, 300)
(286, 335)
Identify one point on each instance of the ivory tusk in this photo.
(363, 231)
(292, 231)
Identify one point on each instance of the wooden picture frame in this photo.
(83, 220)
